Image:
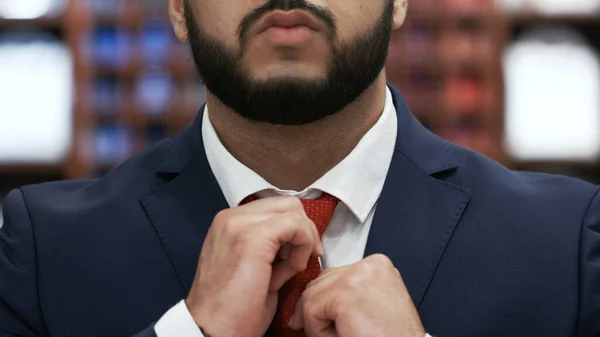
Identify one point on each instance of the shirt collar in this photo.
(357, 180)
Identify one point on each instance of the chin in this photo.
(287, 72)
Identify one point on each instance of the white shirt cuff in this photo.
(177, 322)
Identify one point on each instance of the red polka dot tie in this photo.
(320, 211)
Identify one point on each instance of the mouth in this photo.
(295, 19)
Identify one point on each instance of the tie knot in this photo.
(319, 210)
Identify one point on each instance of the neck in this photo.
(285, 156)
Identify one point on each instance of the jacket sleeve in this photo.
(589, 273)
(20, 312)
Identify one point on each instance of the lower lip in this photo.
(288, 35)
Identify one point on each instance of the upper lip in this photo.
(288, 19)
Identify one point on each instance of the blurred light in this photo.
(156, 40)
(105, 95)
(512, 6)
(553, 101)
(36, 89)
(105, 7)
(154, 91)
(30, 9)
(552, 7)
(557, 7)
(112, 144)
(111, 47)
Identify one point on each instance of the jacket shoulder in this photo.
(127, 181)
(539, 192)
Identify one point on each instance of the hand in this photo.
(248, 254)
(364, 299)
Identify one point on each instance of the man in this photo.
(305, 199)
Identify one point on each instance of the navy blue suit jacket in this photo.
(484, 251)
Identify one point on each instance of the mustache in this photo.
(323, 14)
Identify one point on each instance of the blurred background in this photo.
(84, 84)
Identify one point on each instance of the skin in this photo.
(252, 250)
(285, 155)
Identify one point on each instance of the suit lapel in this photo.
(415, 218)
(416, 213)
(183, 205)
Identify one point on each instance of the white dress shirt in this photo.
(357, 181)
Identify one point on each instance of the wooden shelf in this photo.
(46, 23)
(419, 65)
(447, 63)
(31, 169)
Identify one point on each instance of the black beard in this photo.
(291, 100)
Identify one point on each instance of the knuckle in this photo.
(368, 268)
(295, 217)
(354, 281)
(230, 226)
(382, 260)
(225, 224)
(222, 218)
(261, 233)
(296, 220)
(285, 220)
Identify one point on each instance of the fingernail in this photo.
(291, 323)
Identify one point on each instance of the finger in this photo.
(291, 229)
(279, 204)
(297, 320)
(329, 332)
(304, 243)
(271, 308)
(318, 251)
(281, 273)
(326, 277)
(284, 252)
(281, 269)
(315, 289)
(319, 315)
